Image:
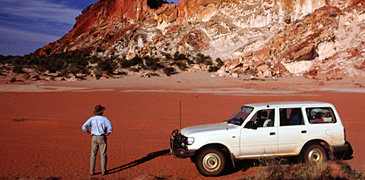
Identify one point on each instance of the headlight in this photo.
(190, 140)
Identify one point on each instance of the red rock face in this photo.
(105, 15)
(126, 28)
(107, 12)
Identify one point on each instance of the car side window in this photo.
(291, 116)
(262, 118)
(320, 115)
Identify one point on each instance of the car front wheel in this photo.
(314, 153)
(211, 162)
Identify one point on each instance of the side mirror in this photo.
(251, 125)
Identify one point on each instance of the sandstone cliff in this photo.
(269, 37)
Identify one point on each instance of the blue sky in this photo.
(26, 25)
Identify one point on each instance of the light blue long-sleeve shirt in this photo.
(98, 124)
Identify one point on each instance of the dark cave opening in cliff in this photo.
(155, 4)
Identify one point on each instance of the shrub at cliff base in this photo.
(169, 71)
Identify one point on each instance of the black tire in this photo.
(347, 155)
(314, 153)
(193, 159)
(211, 162)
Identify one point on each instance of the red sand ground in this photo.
(41, 134)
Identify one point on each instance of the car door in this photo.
(323, 124)
(292, 131)
(259, 135)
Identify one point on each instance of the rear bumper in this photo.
(343, 152)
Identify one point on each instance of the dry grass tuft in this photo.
(278, 169)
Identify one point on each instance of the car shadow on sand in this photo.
(137, 162)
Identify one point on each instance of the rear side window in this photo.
(291, 116)
(320, 115)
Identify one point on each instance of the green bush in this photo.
(167, 56)
(128, 63)
(64, 72)
(26, 76)
(94, 59)
(182, 66)
(202, 59)
(13, 80)
(219, 62)
(40, 68)
(125, 63)
(3, 59)
(18, 69)
(169, 71)
(136, 61)
(152, 63)
(213, 68)
(65, 63)
(107, 65)
(74, 70)
(54, 65)
(178, 56)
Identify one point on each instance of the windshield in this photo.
(240, 115)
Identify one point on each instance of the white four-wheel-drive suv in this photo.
(312, 131)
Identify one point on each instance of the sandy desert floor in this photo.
(40, 123)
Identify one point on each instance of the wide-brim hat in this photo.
(99, 109)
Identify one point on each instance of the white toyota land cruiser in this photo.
(311, 131)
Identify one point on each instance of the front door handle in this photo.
(272, 133)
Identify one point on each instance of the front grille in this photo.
(177, 140)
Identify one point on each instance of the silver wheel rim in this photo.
(211, 162)
(315, 155)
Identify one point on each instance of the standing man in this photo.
(100, 129)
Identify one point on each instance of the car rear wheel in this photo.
(314, 153)
(211, 162)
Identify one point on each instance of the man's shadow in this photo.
(149, 157)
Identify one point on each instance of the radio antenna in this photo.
(180, 112)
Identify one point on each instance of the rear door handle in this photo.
(272, 133)
(304, 131)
